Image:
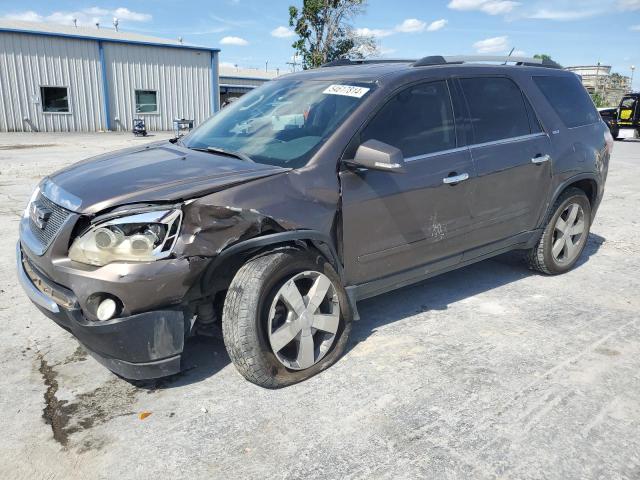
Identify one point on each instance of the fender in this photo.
(320, 240)
(563, 185)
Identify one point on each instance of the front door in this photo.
(512, 157)
(396, 221)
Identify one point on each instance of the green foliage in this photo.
(598, 100)
(542, 56)
(324, 32)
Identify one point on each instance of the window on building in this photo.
(497, 108)
(54, 99)
(146, 101)
(418, 121)
(569, 99)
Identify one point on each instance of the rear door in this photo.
(512, 158)
(397, 221)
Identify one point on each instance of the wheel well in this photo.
(588, 186)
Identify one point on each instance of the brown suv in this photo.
(312, 192)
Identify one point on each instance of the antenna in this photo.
(116, 22)
(505, 62)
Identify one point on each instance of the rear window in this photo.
(497, 108)
(569, 99)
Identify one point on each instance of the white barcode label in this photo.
(346, 90)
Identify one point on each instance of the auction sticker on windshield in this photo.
(347, 90)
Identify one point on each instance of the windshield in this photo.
(281, 123)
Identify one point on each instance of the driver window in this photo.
(418, 121)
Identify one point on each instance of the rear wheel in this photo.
(564, 236)
(285, 318)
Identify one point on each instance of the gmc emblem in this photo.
(39, 215)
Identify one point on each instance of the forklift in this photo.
(624, 121)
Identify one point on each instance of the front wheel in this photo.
(286, 317)
(564, 235)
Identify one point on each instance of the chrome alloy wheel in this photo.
(303, 320)
(568, 233)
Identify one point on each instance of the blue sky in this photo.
(252, 32)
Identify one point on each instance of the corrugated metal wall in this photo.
(28, 62)
(181, 77)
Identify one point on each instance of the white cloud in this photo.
(492, 45)
(28, 16)
(437, 25)
(629, 4)
(227, 65)
(372, 32)
(411, 25)
(87, 16)
(126, 14)
(562, 15)
(282, 32)
(492, 7)
(635, 28)
(519, 53)
(241, 42)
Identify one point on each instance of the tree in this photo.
(598, 100)
(325, 33)
(542, 56)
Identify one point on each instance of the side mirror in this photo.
(377, 155)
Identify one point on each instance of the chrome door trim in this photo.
(508, 140)
(476, 145)
(435, 154)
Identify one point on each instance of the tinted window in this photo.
(534, 123)
(418, 120)
(496, 107)
(569, 99)
(54, 99)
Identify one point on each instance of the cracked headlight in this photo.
(143, 237)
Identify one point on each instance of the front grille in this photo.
(53, 224)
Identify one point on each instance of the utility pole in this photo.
(294, 63)
(266, 66)
(633, 69)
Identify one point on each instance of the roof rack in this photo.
(459, 59)
(364, 61)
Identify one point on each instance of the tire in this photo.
(615, 132)
(247, 319)
(541, 257)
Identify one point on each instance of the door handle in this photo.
(455, 179)
(541, 159)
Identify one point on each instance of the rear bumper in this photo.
(142, 346)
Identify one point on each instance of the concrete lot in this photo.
(487, 372)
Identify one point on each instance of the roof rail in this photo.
(364, 61)
(458, 59)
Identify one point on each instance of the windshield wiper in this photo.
(229, 153)
(222, 151)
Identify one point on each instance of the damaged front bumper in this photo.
(140, 346)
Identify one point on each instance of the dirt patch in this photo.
(111, 400)
(80, 355)
(26, 146)
(54, 412)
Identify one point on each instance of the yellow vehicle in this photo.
(627, 122)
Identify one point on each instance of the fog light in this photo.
(106, 309)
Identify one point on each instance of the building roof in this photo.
(246, 73)
(93, 33)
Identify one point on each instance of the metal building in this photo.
(235, 82)
(56, 78)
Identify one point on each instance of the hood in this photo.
(158, 172)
